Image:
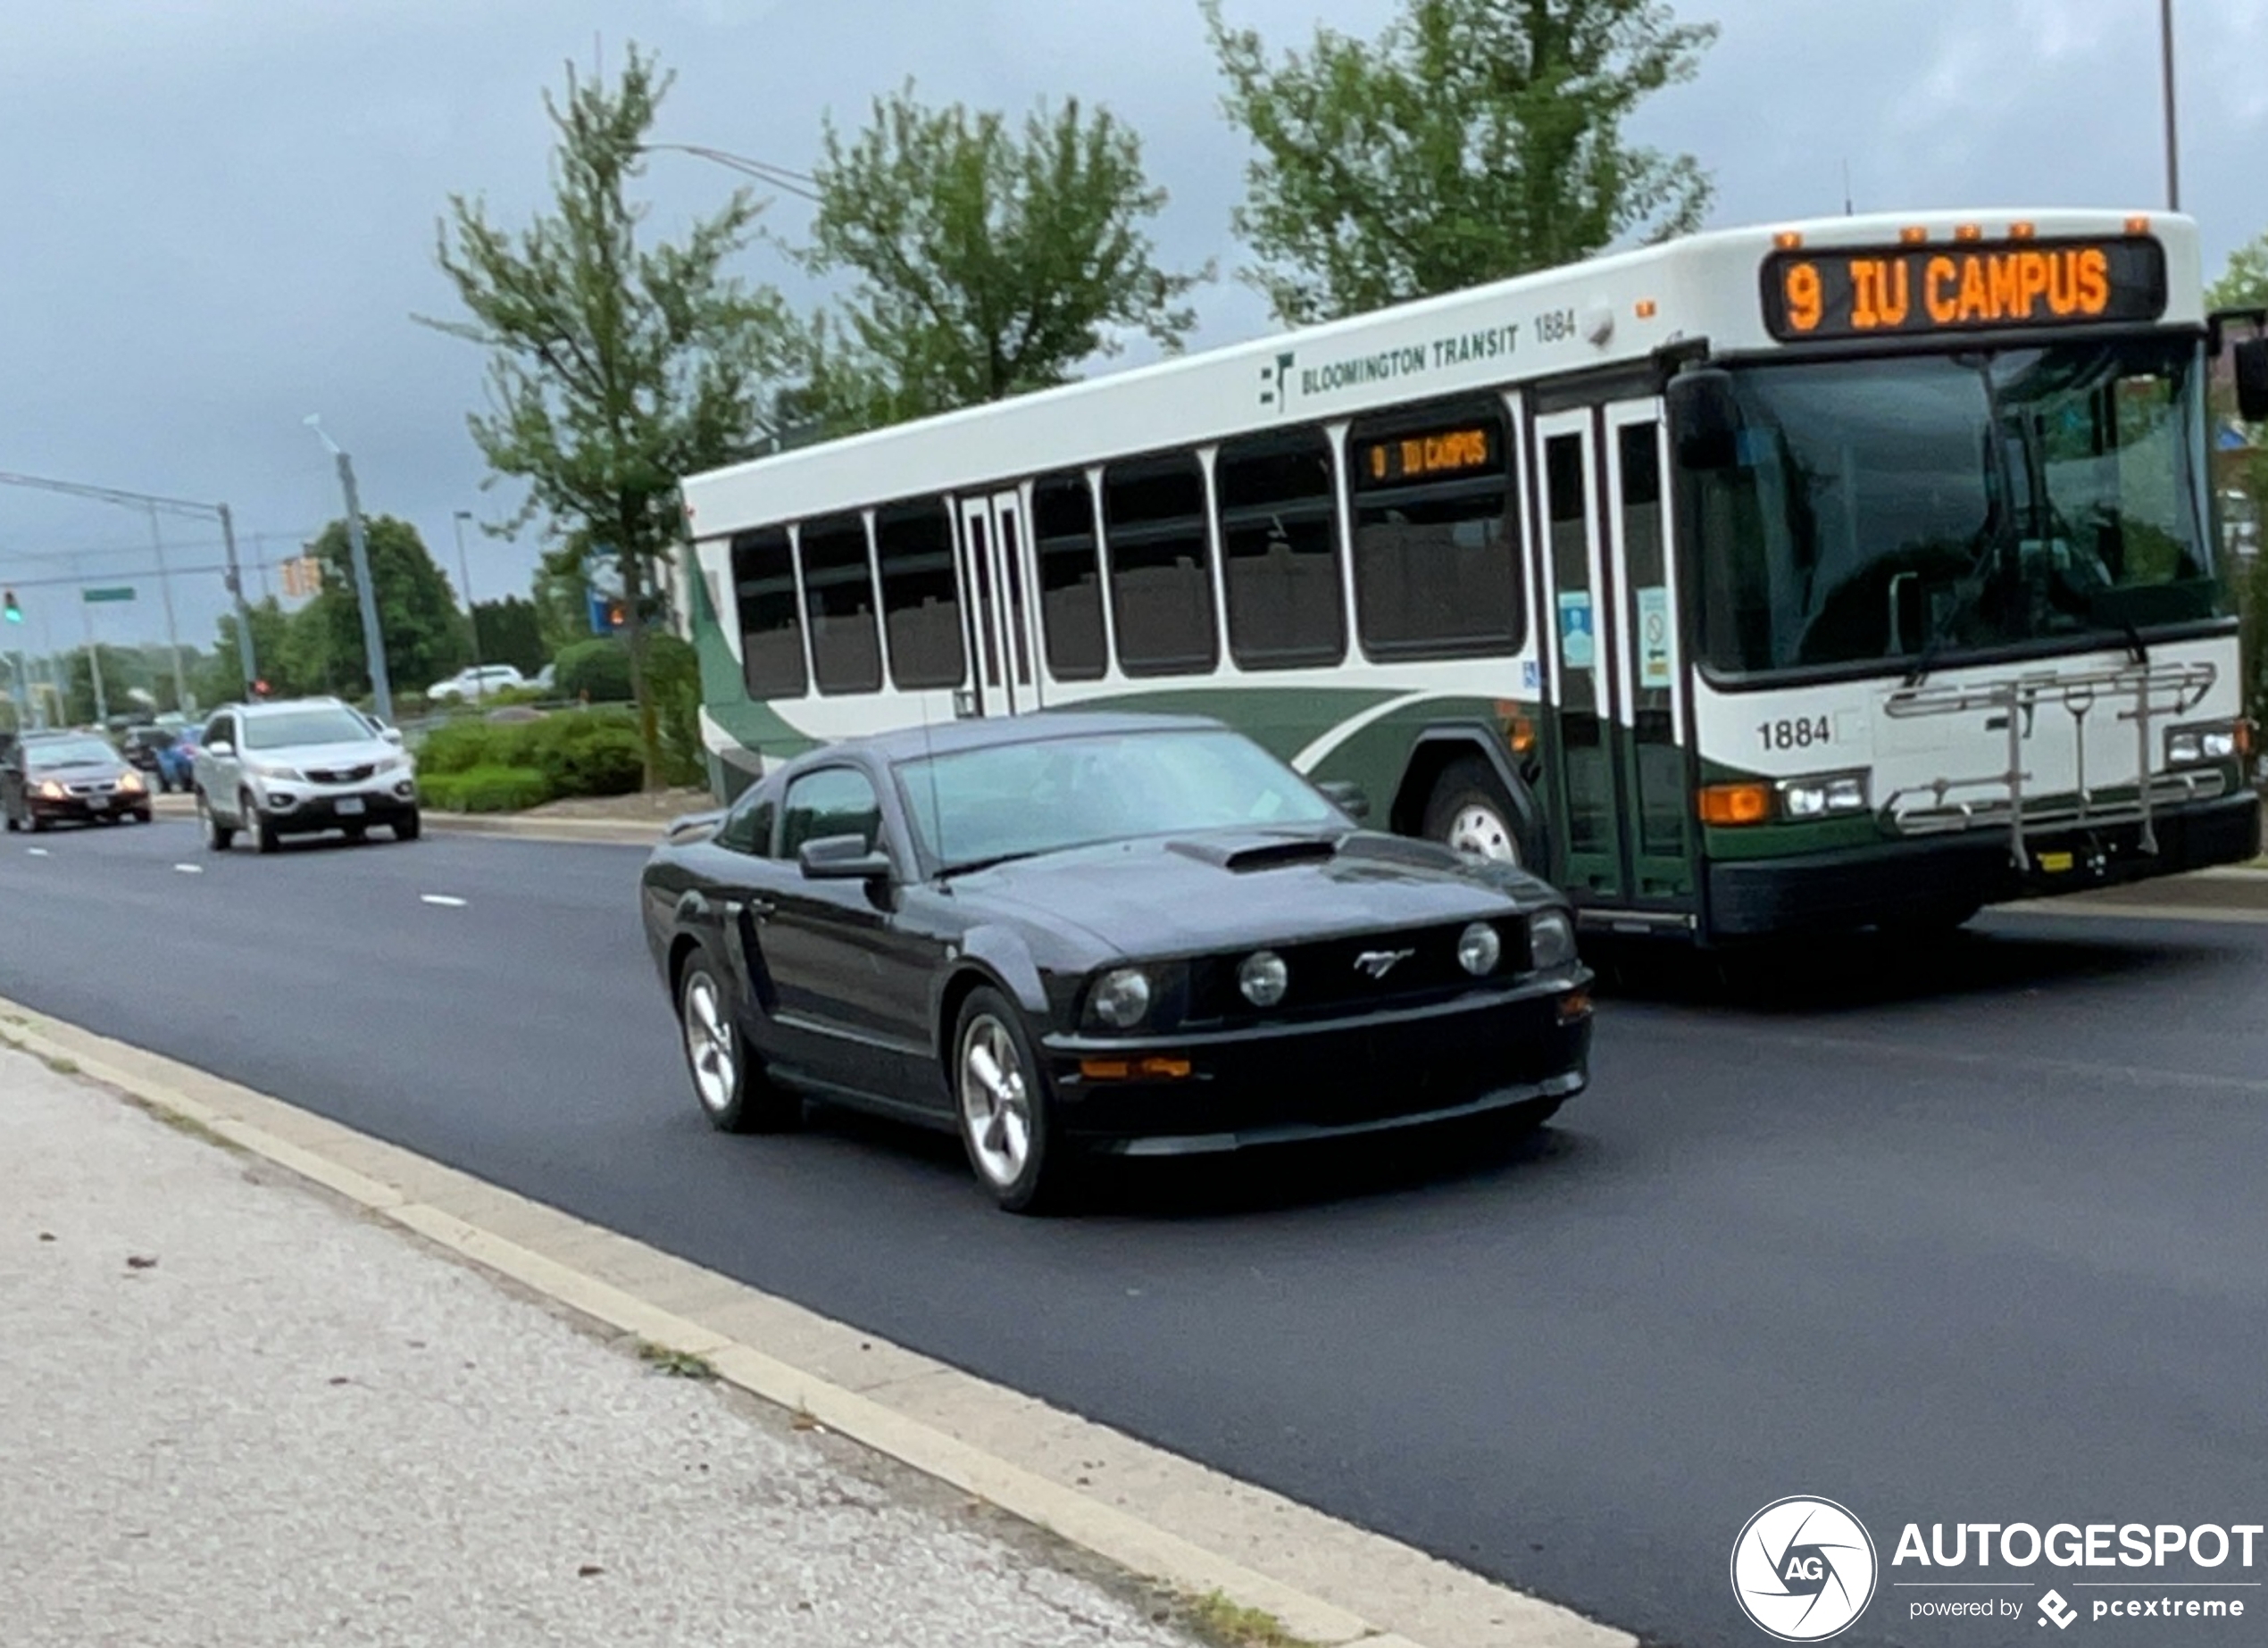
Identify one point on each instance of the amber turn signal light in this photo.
(1575, 1005)
(1735, 803)
(1152, 1069)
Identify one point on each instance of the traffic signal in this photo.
(15, 612)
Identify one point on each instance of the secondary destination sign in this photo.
(1427, 455)
(1817, 296)
(118, 592)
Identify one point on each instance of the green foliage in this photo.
(677, 699)
(511, 633)
(2253, 648)
(2244, 284)
(124, 670)
(1476, 139)
(485, 789)
(614, 368)
(575, 753)
(418, 622)
(600, 668)
(988, 263)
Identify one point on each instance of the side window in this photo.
(747, 828)
(836, 801)
(1161, 566)
(1437, 544)
(1071, 577)
(1279, 503)
(221, 729)
(920, 597)
(838, 595)
(772, 624)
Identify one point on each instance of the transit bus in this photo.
(1853, 572)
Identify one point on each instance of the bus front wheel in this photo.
(1471, 812)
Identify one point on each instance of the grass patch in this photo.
(673, 1364)
(1231, 1624)
(189, 1124)
(61, 1067)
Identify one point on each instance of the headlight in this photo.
(129, 781)
(52, 790)
(1122, 996)
(1551, 939)
(1813, 798)
(391, 763)
(264, 769)
(1478, 949)
(2186, 745)
(1264, 978)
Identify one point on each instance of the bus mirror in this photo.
(2250, 358)
(1704, 416)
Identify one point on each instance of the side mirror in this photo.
(2250, 360)
(220, 747)
(392, 735)
(842, 858)
(1348, 796)
(1705, 418)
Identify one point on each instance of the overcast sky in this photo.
(220, 214)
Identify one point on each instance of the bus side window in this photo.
(1161, 566)
(771, 626)
(1071, 577)
(1279, 503)
(1436, 540)
(838, 593)
(920, 597)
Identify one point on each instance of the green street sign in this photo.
(117, 592)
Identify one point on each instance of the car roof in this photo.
(994, 732)
(270, 706)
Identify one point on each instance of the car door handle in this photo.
(760, 908)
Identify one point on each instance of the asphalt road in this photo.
(1980, 1239)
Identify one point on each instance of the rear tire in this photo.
(217, 836)
(1470, 812)
(728, 1079)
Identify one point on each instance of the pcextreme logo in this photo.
(1803, 1569)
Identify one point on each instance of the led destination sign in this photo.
(1426, 456)
(1818, 297)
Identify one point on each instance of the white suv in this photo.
(300, 767)
(477, 683)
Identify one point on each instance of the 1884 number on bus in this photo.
(1800, 733)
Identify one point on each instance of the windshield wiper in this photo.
(975, 864)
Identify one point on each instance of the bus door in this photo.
(992, 572)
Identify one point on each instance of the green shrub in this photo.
(485, 789)
(673, 672)
(579, 754)
(460, 747)
(600, 669)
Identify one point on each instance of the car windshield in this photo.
(981, 806)
(69, 753)
(1889, 510)
(291, 728)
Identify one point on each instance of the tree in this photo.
(417, 612)
(614, 368)
(511, 634)
(2244, 284)
(1474, 141)
(988, 263)
(124, 670)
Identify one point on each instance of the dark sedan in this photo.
(1060, 934)
(50, 778)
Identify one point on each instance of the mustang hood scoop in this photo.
(1239, 854)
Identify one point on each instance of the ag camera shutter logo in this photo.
(1803, 1569)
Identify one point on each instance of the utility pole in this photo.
(172, 630)
(245, 658)
(464, 579)
(373, 640)
(93, 661)
(2172, 138)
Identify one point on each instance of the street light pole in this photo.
(464, 579)
(2172, 138)
(172, 630)
(93, 661)
(373, 640)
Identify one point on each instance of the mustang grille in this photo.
(1354, 975)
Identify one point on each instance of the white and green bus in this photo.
(1851, 572)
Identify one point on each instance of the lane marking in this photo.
(190, 869)
(443, 900)
(37, 851)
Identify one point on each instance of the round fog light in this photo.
(1478, 949)
(1264, 978)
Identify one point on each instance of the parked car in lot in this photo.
(1065, 933)
(69, 777)
(158, 752)
(477, 683)
(298, 767)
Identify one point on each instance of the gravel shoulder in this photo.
(242, 1414)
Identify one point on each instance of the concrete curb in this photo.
(1326, 1582)
(602, 832)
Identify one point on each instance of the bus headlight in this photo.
(2188, 745)
(1841, 793)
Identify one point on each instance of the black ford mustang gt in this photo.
(1063, 933)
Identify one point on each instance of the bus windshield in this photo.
(1906, 511)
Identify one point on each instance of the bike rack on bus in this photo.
(2148, 692)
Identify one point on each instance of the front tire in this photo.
(1000, 1100)
(1469, 813)
(408, 826)
(264, 838)
(217, 836)
(728, 1079)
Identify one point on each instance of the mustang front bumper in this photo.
(1168, 1095)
